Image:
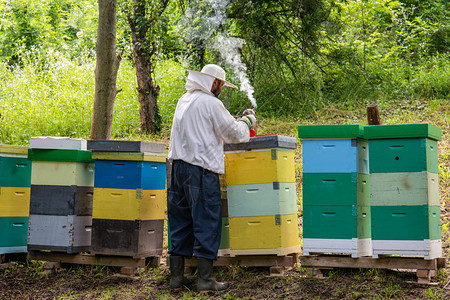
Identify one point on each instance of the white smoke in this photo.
(201, 21)
(203, 18)
(229, 50)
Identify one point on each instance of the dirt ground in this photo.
(29, 280)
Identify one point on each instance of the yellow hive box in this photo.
(260, 166)
(133, 156)
(127, 204)
(14, 201)
(264, 234)
(13, 149)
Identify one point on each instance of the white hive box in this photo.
(51, 142)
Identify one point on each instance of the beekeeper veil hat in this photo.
(204, 79)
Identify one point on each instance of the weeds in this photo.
(391, 290)
(432, 294)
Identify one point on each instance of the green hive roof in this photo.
(66, 155)
(402, 131)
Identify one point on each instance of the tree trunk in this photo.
(144, 54)
(107, 66)
(147, 91)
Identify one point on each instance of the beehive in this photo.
(122, 174)
(15, 179)
(260, 166)
(57, 142)
(277, 234)
(13, 236)
(336, 190)
(129, 204)
(70, 234)
(61, 200)
(137, 238)
(405, 190)
(62, 181)
(129, 198)
(265, 199)
(64, 167)
(261, 194)
(403, 155)
(335, 156)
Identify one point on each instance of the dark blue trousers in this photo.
(194, 210)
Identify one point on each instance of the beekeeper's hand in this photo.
(248, 111)
(250, 120)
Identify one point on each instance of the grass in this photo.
(58, 100)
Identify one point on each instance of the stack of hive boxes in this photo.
(62, 179)
(129, 198)
(262, 200)
(15, 179)
(336, 199)
(405, 189)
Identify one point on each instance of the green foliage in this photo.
(440, 40)
(170, 75)
(382, 51)
(282, 52)
(64, 25)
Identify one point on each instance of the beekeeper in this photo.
(201, 125)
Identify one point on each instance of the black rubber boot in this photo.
(206, 281)
(177, 279)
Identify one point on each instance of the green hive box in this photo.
(60, 155)
(402, 131)
(403, 155)
(336, 222)
(336, 189)
(337, 229)
(15, 171)
(406, 230)
(330, 131)
(406, 222)
(13, 234)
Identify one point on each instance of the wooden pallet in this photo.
(129, 265)
(277, 264)
(425, 269)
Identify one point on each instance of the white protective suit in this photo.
(202, 124)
